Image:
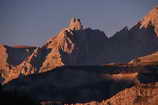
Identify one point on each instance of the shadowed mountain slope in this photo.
(82, 84)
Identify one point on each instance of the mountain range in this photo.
(83, 65)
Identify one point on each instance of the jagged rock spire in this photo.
(75, 24)
(151, 19)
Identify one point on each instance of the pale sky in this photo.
(32, 22)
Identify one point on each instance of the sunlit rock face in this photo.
(151, 19)
(10, 58)
(75, 24)
(146, 60)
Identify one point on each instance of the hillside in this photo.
(83, 84)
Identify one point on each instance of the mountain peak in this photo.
(151, 19)
(75, 24)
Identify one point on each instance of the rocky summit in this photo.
(151, 20)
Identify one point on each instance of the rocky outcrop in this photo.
(10, 58)
(75, 24)
(142, 94)
(146, 60)
(151, 20)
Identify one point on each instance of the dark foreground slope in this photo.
(16, 98)
(83, 84)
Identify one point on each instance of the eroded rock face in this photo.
(146, 60)
(10, 58)
(151, 20)
(75, 24)
(3, 57)
(142, 94)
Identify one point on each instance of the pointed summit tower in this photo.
(151, 19)
(75, 24)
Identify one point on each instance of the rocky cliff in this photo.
(10, 58)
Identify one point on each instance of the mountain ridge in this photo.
(76, 45)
